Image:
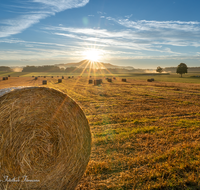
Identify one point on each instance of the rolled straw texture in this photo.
(45, 136)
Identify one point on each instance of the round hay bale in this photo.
(97, 82)
(123, 80)
(4, 78)
(59, 80)
(90, 81)
(149, 80)
(44, 82)
(45, 139)
(63, 77)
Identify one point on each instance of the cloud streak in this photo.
(48, 8)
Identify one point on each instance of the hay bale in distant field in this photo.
(123, 80)
(32, 76)
(44, 82)
(44, 76)
(97, 82)
(8, 75)
(36, 78)
(51, 76)
(114, 78)
(59, 80)
(4, 78)
(63, 77)
(152, 79)
(109, 80)
(44, 136)
(72, 76)
(90, 81)
(149, 80)
(68, 77)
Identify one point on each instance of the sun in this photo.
(92, 55)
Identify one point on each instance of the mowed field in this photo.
(145, 135)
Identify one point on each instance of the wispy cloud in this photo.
(30, 14)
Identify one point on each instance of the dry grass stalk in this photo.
(44, 136)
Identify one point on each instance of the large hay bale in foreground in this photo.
(44, 136)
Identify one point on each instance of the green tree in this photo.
(159, 69)
(181, 69)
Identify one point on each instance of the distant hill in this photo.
(87, 64)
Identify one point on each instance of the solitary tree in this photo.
(181, 69)
(159, 69)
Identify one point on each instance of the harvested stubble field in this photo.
(145, 135)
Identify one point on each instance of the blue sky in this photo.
(139, 33)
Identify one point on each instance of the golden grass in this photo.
(45, 136)
(145, 135)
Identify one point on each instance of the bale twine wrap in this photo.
(45, 136)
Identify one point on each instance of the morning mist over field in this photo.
(142, 34)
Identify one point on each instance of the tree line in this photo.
(180, 69)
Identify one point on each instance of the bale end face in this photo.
(123, 80)
(48, 142)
